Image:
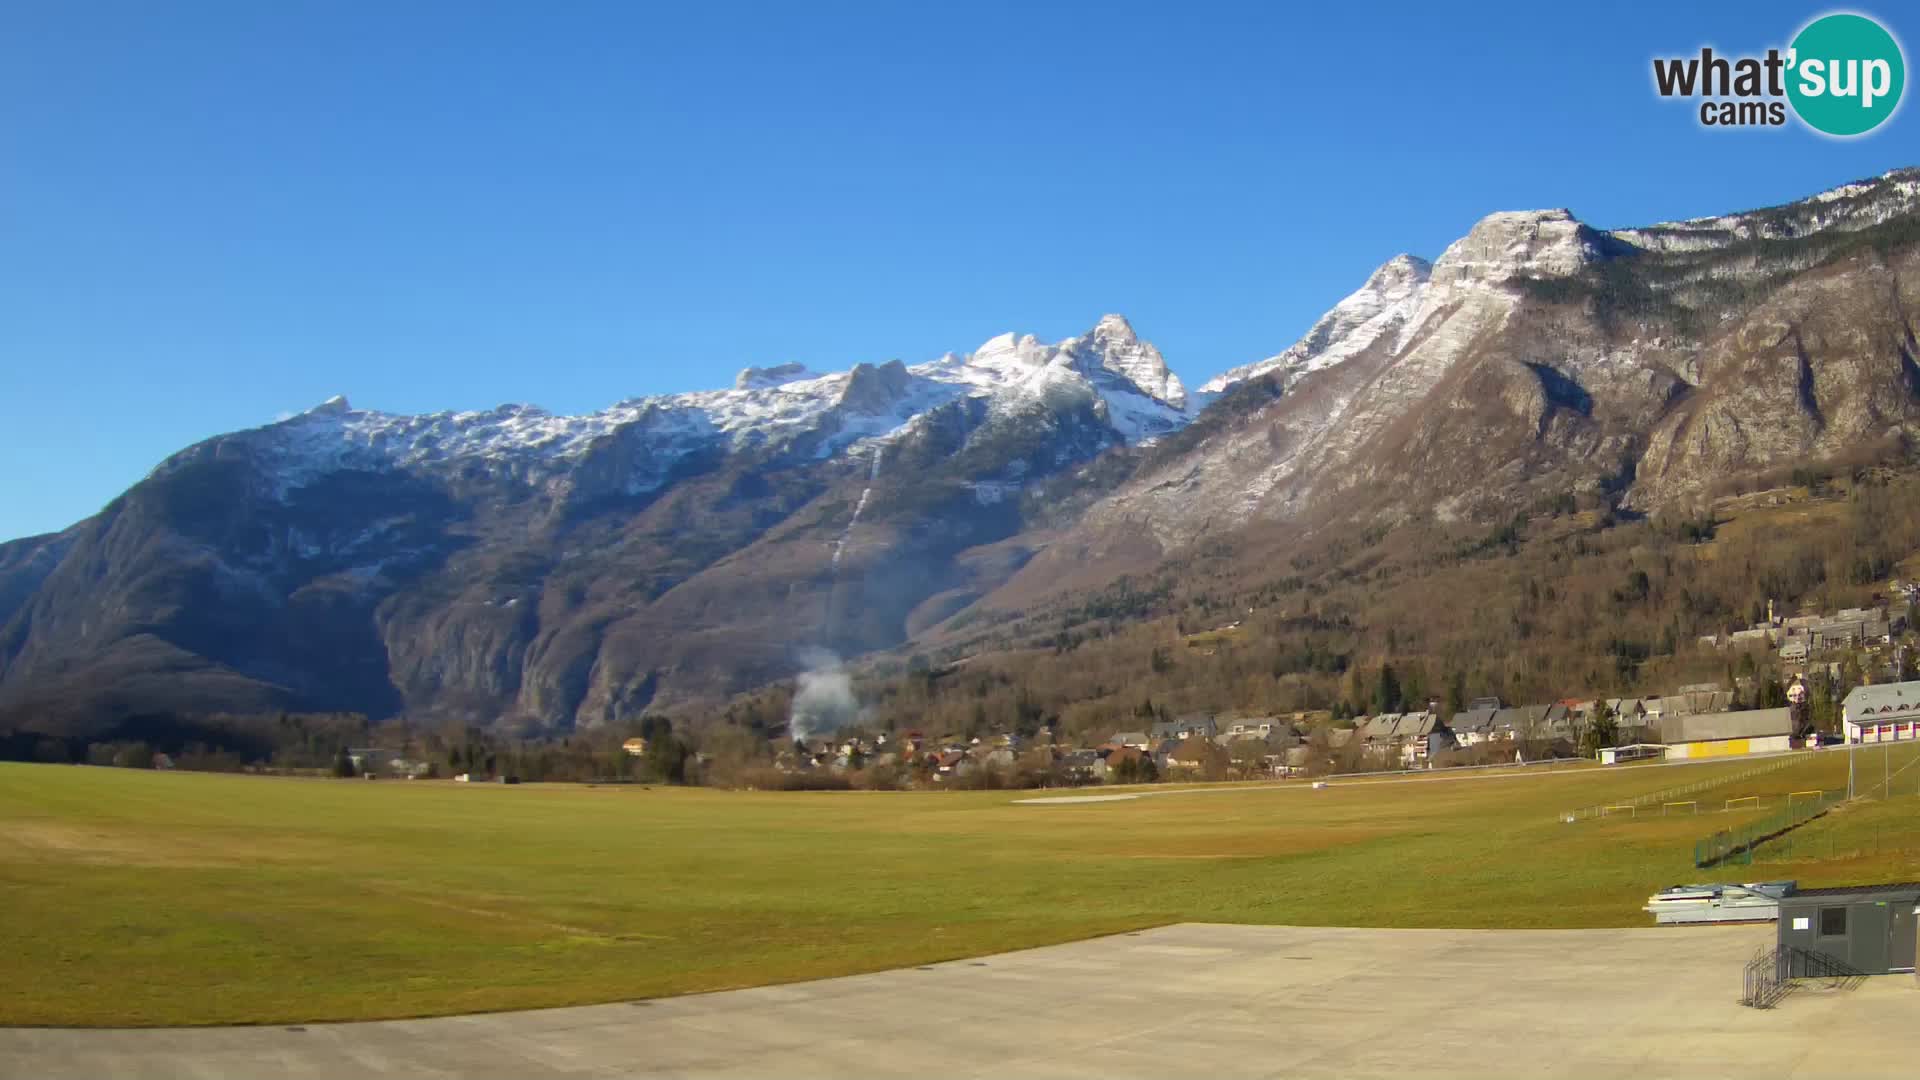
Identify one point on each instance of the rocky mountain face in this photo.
(517, 565)
(562, 570)
(1538, 355)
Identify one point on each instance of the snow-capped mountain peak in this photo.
(1505, 245)
(1383, 305)
(874, 390)
(1112, 345)
(775, 407)
(1109, 363)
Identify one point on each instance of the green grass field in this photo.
(137, 898)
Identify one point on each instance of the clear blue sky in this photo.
(213, 213)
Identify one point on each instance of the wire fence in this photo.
(1652, 801)
(1892, 781)
(1736, 846)
(1826, 843)
(1779, 836)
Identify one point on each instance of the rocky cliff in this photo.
(1539, 355)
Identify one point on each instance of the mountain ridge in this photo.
(1510, 245)
(510, 565)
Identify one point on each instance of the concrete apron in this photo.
(1235, 1001)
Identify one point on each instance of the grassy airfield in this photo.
(143, 898)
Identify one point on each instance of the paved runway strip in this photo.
(1193, 999)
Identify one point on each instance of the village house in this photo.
(1474, 726)
(1509, 724)
(1190, 726)
(1537, 724)
(1800, 636)
(1378, 730)
(1267, 728)
(1555, 719)
(1700, 698)
(1627, 712)
(1422, 736)
(1082, 766)
(997, 757)
(950, 763)
(1197, 759)
(1135, 739)
(1259, 746)
(1120, 755)
(1163, 752)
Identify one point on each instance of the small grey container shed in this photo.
(1869, 928)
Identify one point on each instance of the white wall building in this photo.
(1885, 713)
(1754, 731)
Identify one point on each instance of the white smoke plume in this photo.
(824, 701)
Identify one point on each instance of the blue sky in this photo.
(214, 213)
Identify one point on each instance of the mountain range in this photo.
(668, 551)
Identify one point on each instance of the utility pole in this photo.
(1847, 734)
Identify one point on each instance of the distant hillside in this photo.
(1565, 599)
